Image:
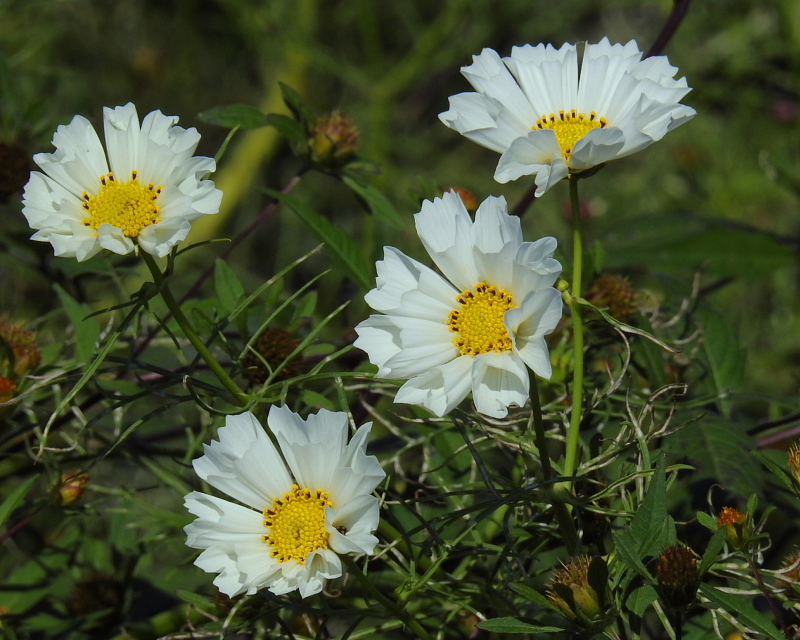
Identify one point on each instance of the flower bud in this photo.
(333, 141)
(71, 487)
(579, 590)
(740, 530)
(678, 578)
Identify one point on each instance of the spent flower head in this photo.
(549, 116)
(143, 190)
(678, 577)
(306, 502)
(477, 328)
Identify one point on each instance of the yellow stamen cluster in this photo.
(479, 322)
(297, 524)
(570, 127)
(130, 206)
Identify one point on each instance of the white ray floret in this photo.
(476, 328)
(143, 190)
(548, 119)
(305, 503)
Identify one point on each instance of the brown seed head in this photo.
(614, 293)
(678, 578)
(274, 345)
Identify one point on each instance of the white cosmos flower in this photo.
(304, 504)
(549, 119)
(475, 329)
(146, 191)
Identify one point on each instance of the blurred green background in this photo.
(391, 67)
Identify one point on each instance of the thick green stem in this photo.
(160, 281)
(573, 435)
(565, 523)
(388, 604)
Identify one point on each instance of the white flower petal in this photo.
(157, 153)
(441, 389)
(499, 380)
(244, 463)
(637, 101)
(535, 318)
(445, 228)
(237, 541)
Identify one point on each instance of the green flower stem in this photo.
(573, 435)
(160, 281)
(387, 603)
(565, 523)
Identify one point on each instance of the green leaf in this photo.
(512, 625)
(713, 549)
(533, 595)
(243, 116)
(344, 251)
(229, 288)
(192, 598)
(288, 127)
(652, 529)
(14, 498)
(301, 111)
(87, 329)
(777, 470)
(631, 557)
(708, 521)
(641, 599)
(725, 356)
(693, 242)
(376, 202)
(743, 610)
(720, 450)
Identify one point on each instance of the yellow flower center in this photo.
(130, 206)
(297, 524)
(479, 321)
(570, 127)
